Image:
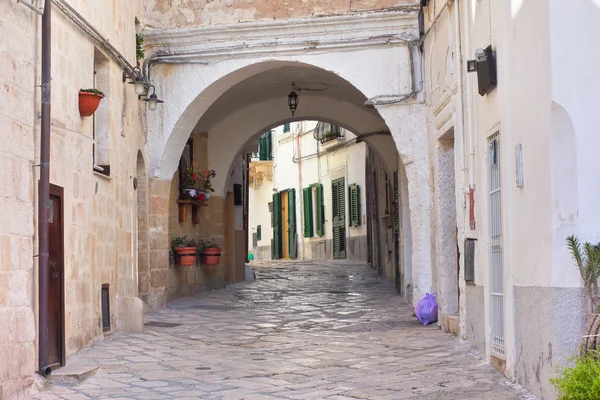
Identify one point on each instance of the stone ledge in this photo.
(450, 324)
(73, 373)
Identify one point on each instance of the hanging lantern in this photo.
(293, 101)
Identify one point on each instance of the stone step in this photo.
(73, 373)
(450, 324)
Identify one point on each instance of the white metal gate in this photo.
(495, 248)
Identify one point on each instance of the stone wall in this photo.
(184, 280)
(99, 210)
(548, 324)
(17, 266)
(167, 13)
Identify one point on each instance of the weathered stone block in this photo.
(130, 312)
(159, 205)
(159, 259)
(159, 278)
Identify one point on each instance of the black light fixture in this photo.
(485, 66)
(293, 100)
(153, 100)
(138, 80)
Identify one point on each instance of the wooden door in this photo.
(55, 349)
(285, 239)
(276, 246)
(292, 246)
(339, 217)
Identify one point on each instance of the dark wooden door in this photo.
(276, 248)
(55, 350)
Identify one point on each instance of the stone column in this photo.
(158, 240)
(408, 125)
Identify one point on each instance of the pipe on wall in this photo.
(89, 29)
(44, 192)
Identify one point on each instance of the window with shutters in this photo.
(354, 204)
(258, 232)
(313, 210)
(265, 147)
(286, 127)
(339, 217)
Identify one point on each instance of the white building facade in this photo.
(325, 179)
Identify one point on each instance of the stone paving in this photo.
(303, 330)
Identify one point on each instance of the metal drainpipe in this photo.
(44, 193)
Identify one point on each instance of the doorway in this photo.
(285, 240)
(339, 217)
(55, 353)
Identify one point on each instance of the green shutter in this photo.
(308, 212)
(292, 222)
(258, 232)
(276, 246)
(286, 128)
(354, 202)
(320, 210)
(339, 218)
(269, 144)
(262, 149)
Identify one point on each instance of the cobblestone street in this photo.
(303, 330)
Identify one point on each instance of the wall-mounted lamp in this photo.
(293, 100)
(152, 100)
(138, 81)
(485, 66)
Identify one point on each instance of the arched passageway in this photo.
(224, 106)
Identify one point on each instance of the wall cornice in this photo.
(295, 34)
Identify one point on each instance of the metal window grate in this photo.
(495, 248)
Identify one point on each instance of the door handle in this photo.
(55, 275)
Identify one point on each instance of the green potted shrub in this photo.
(185, 249)
(581, 380)
(211, 252)
(89, 100)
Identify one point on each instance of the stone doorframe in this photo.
(374, 52)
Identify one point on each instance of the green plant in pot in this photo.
(185, 249)
(89, 100)
(211, 252)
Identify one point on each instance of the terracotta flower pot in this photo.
(211, 256)
(187, 255)
(88, 103)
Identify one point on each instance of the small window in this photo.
(105, 296)
(185, 162)
(258, 232)
(101, 128)
(286, 128)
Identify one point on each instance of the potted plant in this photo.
(89, 100)
(211, 252)
(185, 250)
(197, 185)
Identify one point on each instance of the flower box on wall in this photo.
(89, 100)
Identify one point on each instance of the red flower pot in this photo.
(211, 256)
(186, 255)
(88, 103)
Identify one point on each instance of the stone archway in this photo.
(230, 102)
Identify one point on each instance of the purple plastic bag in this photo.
(427, 309)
